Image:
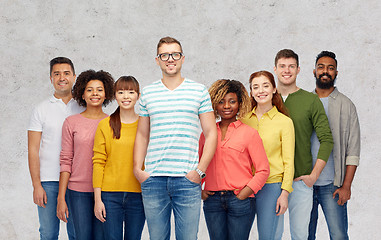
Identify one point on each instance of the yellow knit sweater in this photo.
(113, 158)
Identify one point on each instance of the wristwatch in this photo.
(201, 173)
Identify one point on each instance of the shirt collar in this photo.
(53, 99)
(333, 94)
(271, 113)
(235, 124)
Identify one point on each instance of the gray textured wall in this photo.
(221, 39)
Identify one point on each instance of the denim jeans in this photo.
(265, 206)
(127, 208)
(160, 196)
(299, 209)
(49, 222)
(228, 217)
(335, 215)
(87, 226)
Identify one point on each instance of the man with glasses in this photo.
(171, 110)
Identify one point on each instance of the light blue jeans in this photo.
(265, 205)
(335, 215)
(49, 222)
(299, 209)
(228, 217)
(160, 196)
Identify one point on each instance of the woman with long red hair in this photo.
(269, 116)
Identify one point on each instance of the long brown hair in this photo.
(277, 99)
(123, 83)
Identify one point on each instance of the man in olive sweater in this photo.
(308, 115)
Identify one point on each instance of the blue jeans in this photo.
(127, 208)
(265, 206)
(227, 217)
(160, 196)
(335, 215)
(299, 209)
(49, 222)
(87, 226)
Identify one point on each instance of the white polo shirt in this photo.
(48, 118)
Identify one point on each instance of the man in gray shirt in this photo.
(332, 190)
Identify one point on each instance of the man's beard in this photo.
(325, 85)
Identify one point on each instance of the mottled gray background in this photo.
(221, 39)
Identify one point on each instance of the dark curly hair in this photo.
(87, 76)
(221, 87)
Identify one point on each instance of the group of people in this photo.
(260, 152)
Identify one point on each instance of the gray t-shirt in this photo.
(328, 174)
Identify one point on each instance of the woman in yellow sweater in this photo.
(276, 129)
(117, 193)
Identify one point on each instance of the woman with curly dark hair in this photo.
(229, 183)
(91, 90)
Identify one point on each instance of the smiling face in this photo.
(325, 73)
(228, 107)
(286, 70)
(170, 67)
(62, 78)
(126, 99)
(262, 90)
(94, 94)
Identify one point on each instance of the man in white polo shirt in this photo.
(44, 146)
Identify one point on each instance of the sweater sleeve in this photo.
(260, 162)
(321, 126)
(288, 150)
(67, 147)
(100, 156)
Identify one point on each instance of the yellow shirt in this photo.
(113, 158)
(278, 136)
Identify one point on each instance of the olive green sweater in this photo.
(307, 113)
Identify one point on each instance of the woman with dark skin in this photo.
(229, 183)
(91, 90)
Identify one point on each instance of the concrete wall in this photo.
(221, 39)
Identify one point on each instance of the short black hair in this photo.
(326, 54)
(61, 60)
(87, 76)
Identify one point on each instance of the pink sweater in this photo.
(77, 151)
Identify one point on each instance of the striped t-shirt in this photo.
(174, 126)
